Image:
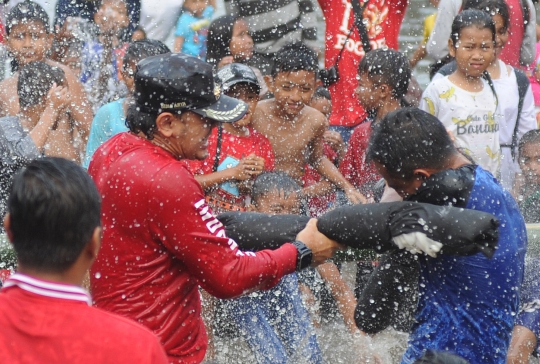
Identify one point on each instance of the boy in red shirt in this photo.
(45, 315)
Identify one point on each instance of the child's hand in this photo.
(249, 167)
(334, 140)
(58, 97)
(225, 61)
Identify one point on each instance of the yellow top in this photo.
(429, 23)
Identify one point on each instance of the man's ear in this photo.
(269, 80)
(423, 173)
(94, 244)
(7, 227)
(165, 123)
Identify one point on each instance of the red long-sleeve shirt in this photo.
(161, 241)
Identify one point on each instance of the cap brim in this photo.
(227, 85)
(225, 110)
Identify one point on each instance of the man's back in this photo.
(467, 304)
(45, 322)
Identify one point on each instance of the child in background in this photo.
(29, 40)
(236, 152)
(294, 129)
(138, 34)
(513, 84)
(529, 161)
(465, 102)
(429, 23)
(102, 57)
(37, 129)
(192, 27)
(381, 89)
(110, 119)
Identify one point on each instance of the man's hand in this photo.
(322, 247)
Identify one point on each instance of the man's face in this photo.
(29, 42)
(404, 187)
(276, 202)
(190, 135)
(293, 90)
(529, 161)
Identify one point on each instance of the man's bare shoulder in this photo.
(313, 117)
(263, 113)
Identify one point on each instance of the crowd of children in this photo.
(70, 91)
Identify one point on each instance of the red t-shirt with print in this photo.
(384, 22)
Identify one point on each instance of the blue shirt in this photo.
(109, 121)
(467, 304)
(194, 30)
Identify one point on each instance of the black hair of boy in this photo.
(408, 139)
(469, 18)
(322, 92)
(530, 137)
(142, 49)
(26, 12)
(35, 81)
(388, 67)
(54, 209)
(273, 181)
(293, 57)
(440, 357)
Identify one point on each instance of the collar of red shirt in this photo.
(48, 289)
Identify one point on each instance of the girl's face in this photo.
(501, 33)
(241, 45)
(473, 51)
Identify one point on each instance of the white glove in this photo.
(418, 242)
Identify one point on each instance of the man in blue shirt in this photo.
(467, 304)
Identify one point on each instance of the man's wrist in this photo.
(305, 255)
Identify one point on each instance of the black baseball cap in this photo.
(175, 82)
(235, 73)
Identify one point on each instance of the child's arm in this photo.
(326, 168)
(341, 292)
(57, 98)
(79, 107)
(418, 55)
(248, 167)
(178, 43)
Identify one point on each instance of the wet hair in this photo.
(140, 121)
(273, 181)
(295, 56)
(440, 357)
(408, 139)
(321, 93)
(35, 81)
(142, 49)
(219, 38)
(54, 208)
(388, 67)
(530, 137)
(26, 12)
(471, 18)
(492, 7)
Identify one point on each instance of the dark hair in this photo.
(219, 38)
(54, 208)
(440, 357)
(35, 81)
(26, 12)
(388, 67)
(321, 93)
(407, 139)
(532, 136)
(471, 18)
(492, 7)
(272, 181)
(142, 49)
(295, 56)
(140, 121)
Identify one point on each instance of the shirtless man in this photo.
(28, 39)
(294, 129)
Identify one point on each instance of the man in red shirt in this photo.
(54, 225)
(384, 18)
(161, 241)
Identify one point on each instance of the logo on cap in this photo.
(217, 91)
